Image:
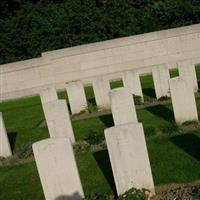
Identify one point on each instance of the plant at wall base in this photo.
(190, 122)
(136, 194)
(163, 98)
(137, 99)
(81, 146)
(91, 107)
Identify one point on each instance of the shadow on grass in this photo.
(150, 92)
(12, 139)
(75, 196)
(103, 161)
(107, 120)
(162, 112)
(189, 143)
(198, 84)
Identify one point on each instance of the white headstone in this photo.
(131, 81)
(161, 78)
(183, 100)
(122, 106)
(58, 119)
(129, 157)
(188, 73)
(76, 96)
(57, 169)
(5, 149)
(101, 87)
(48, 95)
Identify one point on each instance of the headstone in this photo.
(122, 106)
(57, 169)
(48, 95)
(76, 96)
(129, 157)
(131, 81)
(183, 100)
(161, 78)
(5, 149)
(188, 73)
(58, 119)
(101, 87)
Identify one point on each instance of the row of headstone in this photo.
(131, 80)
(125, 141)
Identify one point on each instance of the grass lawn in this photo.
(174, 156)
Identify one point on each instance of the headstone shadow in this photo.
(150, 92)
(162, 112)
(189, 143)
(103, 161)
(12, 139)
(107, 120)
(75, 196)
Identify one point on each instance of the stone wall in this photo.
(141, 52)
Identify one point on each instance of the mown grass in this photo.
(174, 156)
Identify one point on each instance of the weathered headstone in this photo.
(161, 78)
(5, 149)
(48, 95)
(129, 157)
(122, 106)
(188, 73)
(76, 95)
(101, 87)
(131, 81)
(57, 169)
(58, 119)
(183, 100)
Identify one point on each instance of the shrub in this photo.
(170, 129)
(187, 123)
(163, 98)
(134, 194)
(137, 99)
(24, 151)
(81, 146)
(94, 138)
(91, 107)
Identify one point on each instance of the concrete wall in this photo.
(111, 57)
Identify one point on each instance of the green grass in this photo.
(174, 157)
